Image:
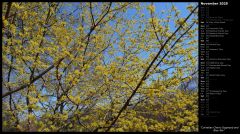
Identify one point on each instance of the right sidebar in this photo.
(218, 97)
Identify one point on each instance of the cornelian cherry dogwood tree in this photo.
(99, 66)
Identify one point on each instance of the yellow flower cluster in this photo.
(151, 8)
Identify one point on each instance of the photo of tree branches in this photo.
(100, 66)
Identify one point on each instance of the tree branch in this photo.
(32, 81)
(146, 72)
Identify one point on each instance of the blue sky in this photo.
(159, 6)
(164, 6)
